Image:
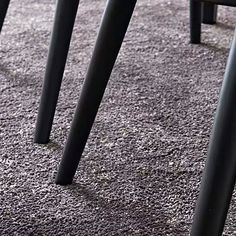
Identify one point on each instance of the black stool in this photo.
(3, 11)
(208, 13)
(220, 172)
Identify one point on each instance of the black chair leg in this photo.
(220, 172)
(209, 13)
(195, 21)
(59, 46)
(112, 31)
(3, 11)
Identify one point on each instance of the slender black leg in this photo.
(220, 171)
(112, 31)
(209, 13)
(3, 11)
(195, 21)
(59, 46)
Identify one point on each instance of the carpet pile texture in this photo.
(141, 169)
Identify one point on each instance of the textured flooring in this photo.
(143, 162)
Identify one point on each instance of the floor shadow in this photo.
(52, 145)
(137, 211)
(225, 26)
(215, 47)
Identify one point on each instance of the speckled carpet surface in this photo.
(141, 168)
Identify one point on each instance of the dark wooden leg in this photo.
(209, 13)
(3, 11)
(59, 46)
(220, 172)
(112, 31)
(195, 21)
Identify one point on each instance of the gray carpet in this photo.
(143, 162)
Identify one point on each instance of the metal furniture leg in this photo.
(220, 171)
(209, 13)
(59, 46)
(112, 31)
(3, 11)
(195, 21)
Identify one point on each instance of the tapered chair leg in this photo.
(195, 21)
(3, 11)
(59, 46)
(209, 13)
(112, 31)
(220, 171)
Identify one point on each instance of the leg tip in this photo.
(62, 182)
(208, 22)
(195, 38)
(195, 41)
(41, 140)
